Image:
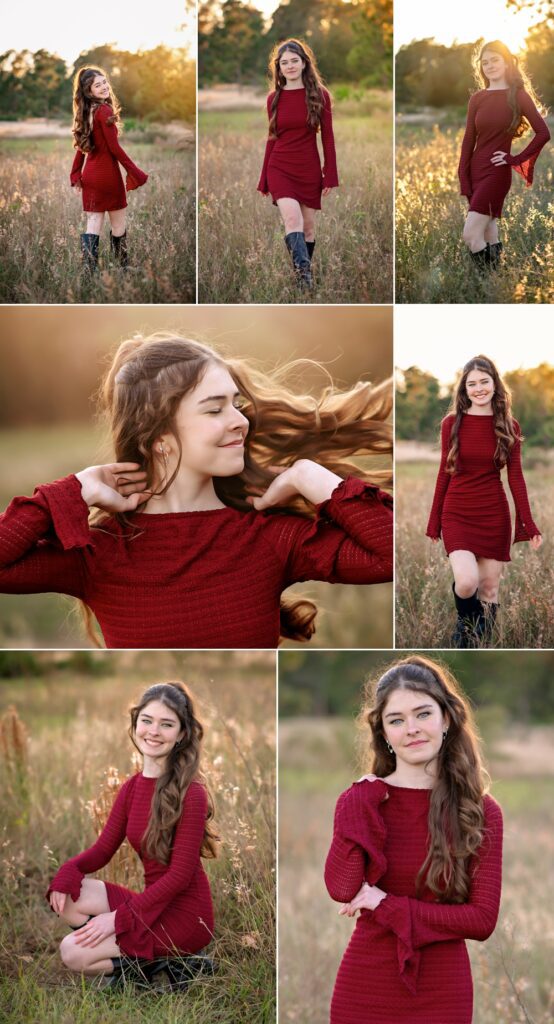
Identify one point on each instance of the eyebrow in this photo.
(394, 714)
(217, 398)
(145, 714)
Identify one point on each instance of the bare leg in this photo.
(474, 230)
(490, 573)
(291, 214)
(491, 232)
(93, 899)
(95, 223)
(89, 959)
(466, 572)
(308, 217)
(117, 221)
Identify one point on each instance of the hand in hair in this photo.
(368, 898)
(115, 487)
(96, 930)
(313, 482)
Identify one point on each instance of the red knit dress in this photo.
(470, 508)
(487, 130)
(407, 961)
(174, 913)
(292, 168)
(103, 187)
(191, 579)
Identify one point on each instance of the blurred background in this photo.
(64, 752)
(434, 79)
(151, 63)
(515, 338)
(352, 42)
(51, 363)
(319, 697)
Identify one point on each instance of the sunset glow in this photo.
(462, 23)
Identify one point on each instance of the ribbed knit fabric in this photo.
(191, 579)
(406, 962)
(487, 129)
(292, 168)
(175, 910)
(470, 508)
(103, 187)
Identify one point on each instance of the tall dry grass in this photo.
(242, 255)
(425, 614)
(51, 809)
(41, 219)
(511, 971)
(432, 262)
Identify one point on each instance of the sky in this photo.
(440, 339)
(68, 29)
(464, 22)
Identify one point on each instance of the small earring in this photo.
(389, 748)
(444, 735)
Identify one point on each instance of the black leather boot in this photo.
(487, 623)
(310, 246)
(120, 252)
(179, 972)
(467, 632)
(89, 252)
(128, 971)
(494, 254)
(481, 259)
(296, 244)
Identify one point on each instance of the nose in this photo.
(238, 419)
(413, 726)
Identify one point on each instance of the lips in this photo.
(233, 444)
(416, 743)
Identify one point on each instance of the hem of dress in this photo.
(297, 198)
(478, 554)
(106, 209)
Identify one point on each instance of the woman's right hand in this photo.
(434, 540)
(78, 186)
(116, 487)
(57, 901)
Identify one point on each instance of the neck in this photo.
(416, 776)
(480, 410)
(152, 767)
(501, 84)
(189, 492)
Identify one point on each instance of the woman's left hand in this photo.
(95, 930)
(368, 898)
(498, 158)
(536, 542)
(325, 191)
(313, 482)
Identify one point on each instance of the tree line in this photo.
(153, 85)
(429, 74)
(352, 41)
(421, 404)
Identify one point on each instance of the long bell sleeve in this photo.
(356, 851)
(109, 131)
(330, 172)
(525, 524)
(524, 162)
(468, 145)
(443, 479)
(262, 185)
(77, 167)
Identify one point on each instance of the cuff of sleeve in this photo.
(68, 511)
(351, 488)
(433, 531)
(394, 914)
(523, 533)
(68, 879)
(134, 181)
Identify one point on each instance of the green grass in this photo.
(242, 256)
(41, 218)
(432, 262)
(77, 726)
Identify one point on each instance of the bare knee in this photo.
(474, 240)
(309, 228)
(71, 955)
(466, 584)
(488, 588)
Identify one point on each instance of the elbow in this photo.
(340, 890)
(484, 927)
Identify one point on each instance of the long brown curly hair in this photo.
(85, 106)
(148, 378)
(502, 413)
(182, 767)
(456, 814)
(516, 77)
(310, 76)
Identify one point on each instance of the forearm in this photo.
(314, 482)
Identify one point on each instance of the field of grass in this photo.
(425, 614)
(432, 262)
(350, 616)
(242, 255)
(41, 219)
(511, 972)
(56, 786)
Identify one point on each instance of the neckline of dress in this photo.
(480, 416)
(175, 515)
(411, 789)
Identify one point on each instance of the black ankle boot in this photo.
(180, 972)
(296, 244)
(494, 254)
(481, 259)
(487, 623)
(129, 971)
(120, 252)
(310, 246)
(89, 252)
(467, 632)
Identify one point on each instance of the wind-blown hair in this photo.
(456, 815)
(310, 76)
(181, 768)
(516, 77)
(501, 408)
(85, 105)
(149, 377)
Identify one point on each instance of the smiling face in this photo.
(211, 427)
(413, 724)
(291, 66)
(479, 389)
(493, 66)
(100, 89)
(157, 731)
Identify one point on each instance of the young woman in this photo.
(417, 851)
(498, 113)
(95, 127)
(164, 811)
(470, 509)
(215, 504)
(298, 107)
